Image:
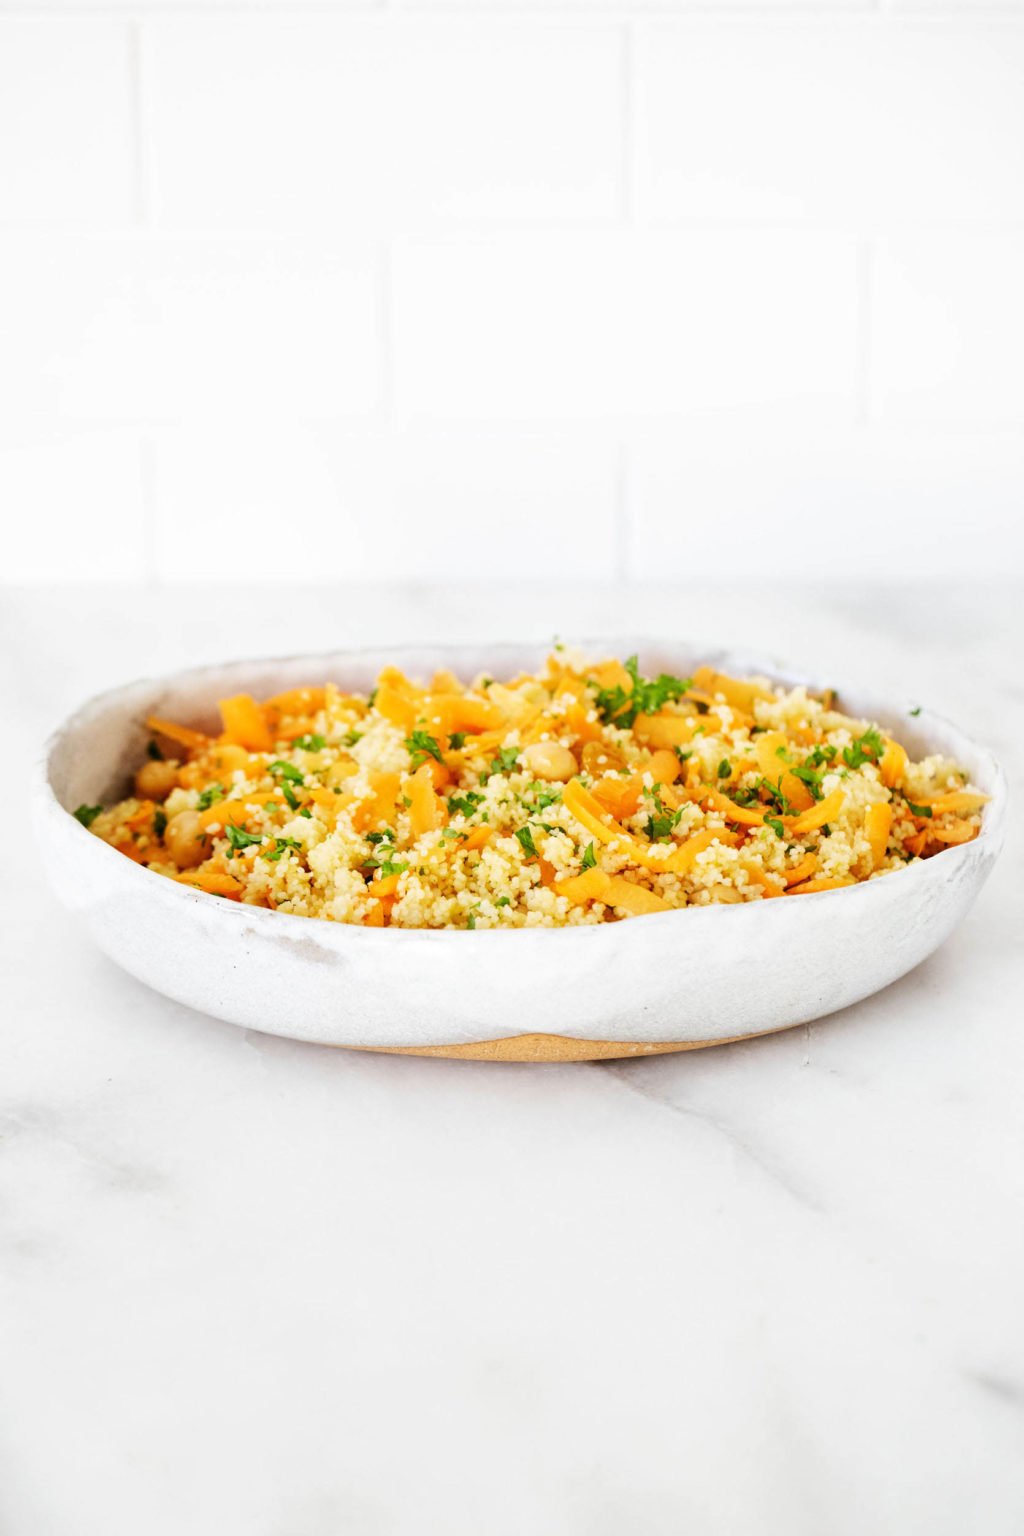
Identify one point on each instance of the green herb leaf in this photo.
(589, 857)
(916, 709)
(466, 804)
(525, 837)
(160, 822)
(620, 707)
(153, 751)
(865, 749)
(311, 742)
(239, 838)
(915, 810)
(775, 825)
(503, 763)
(422, 745)
(210, 795)
(282, 770)
(457, 741)
(280, 844)
(87, 814)
(724, 768)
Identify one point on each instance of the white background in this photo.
(317, 291)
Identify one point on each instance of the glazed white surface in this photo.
(258, 1288)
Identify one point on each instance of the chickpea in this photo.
(155, 780)
(549, 760)
(183, 839)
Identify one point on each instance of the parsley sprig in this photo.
(422, 745)
(620, 707)
(867, 748)
(240, 839)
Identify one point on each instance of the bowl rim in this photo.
(244, 913)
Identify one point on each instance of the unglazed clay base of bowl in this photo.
(673, 981)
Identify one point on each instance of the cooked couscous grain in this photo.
(581, 795)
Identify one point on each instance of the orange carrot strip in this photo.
(588, 886)
(245, 723)
(877, 825)
(802, 871)
(832, 883)
(195, 741)
(427, 809)
(826, 810)
(893, 764)
(635, 899)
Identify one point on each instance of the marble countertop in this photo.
(255, 1288)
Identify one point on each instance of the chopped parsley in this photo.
(87, 814)
(471, 920)
(811, 777)
(153, 751)
(422, 745)
(503, 901)
(467, 804)
(160, 822)
(662, 822)
(457, 741)
(776, 826)
(210, 795)
(525, 837)
(287, 775)
(916, 709)
(307, 813)
(280, 845)
(311, 742)
(282, 770)
(504, 762)
(865, 749)
(352, 737)
(239, 839)
(724, 768)
(544, 795)
(620, 707)
(917, 810)
(589, 857)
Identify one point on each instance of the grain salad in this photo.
(585, 793)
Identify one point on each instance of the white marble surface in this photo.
(255, 1288)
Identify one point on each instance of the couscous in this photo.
(583, 794)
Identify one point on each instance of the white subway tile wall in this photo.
(423, 290)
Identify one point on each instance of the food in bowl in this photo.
(581, 794)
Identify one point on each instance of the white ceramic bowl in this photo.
(674, 980)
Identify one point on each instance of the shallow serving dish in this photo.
(672, 981)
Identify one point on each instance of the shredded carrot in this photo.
(877, 824)
(194, 741)
(833, 883)
(826, 810)
(245, 724)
